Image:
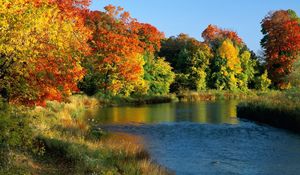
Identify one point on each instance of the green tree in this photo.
(190, 59)
(158, 75)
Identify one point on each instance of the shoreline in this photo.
(280, 118)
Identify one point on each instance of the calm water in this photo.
(207, 138)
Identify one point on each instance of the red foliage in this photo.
(149, 36)
(114, 47)
(281, 44)
(213, 33)
(55, 76)
(116, 42)
(53, 81)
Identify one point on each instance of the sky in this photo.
(192, 16)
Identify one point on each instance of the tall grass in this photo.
(212, 95)
(280, 109)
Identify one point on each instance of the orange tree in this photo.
(41, 48)
(281, 43)
(232, 66)
(118, 43)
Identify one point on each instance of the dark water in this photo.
(207, 138)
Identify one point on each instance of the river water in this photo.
(207, 138)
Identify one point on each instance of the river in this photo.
(206, 138)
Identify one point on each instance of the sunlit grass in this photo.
(70, 134)
(212, 95)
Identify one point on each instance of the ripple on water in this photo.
(193, 148)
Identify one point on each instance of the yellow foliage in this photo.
(245, 56)
(229, 52)
(38, 40)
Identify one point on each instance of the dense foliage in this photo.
(158, 75)
(41, 49)
(281, 44)
(119, 43)
(48, 46)
(221, 62)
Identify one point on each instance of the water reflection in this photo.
(200, 112)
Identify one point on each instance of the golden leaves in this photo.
(230, 53)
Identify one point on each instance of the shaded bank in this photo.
(278, 117)
(279, 109)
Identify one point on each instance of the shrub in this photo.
(15, 132)
(262, 82)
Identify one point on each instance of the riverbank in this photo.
(62, 139)
(279, 109)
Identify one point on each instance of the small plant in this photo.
(263, 82)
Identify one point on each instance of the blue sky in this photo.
(193, 16)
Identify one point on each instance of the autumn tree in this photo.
(281, 44)
(115, 51)
(149, 36)
(40, 50)
(118, 44)
(214, 35)
(233, 66)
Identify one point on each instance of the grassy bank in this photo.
(63, 139)
(211, 95)
(279, 109)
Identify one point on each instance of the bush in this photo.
(294, 77)
(15, 132)
(262, 82)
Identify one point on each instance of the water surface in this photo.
(207, 138)
(201, 112)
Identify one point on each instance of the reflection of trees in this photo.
(144, 114)
(216, 112)
(203, 112)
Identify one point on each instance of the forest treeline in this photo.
(50, 49)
